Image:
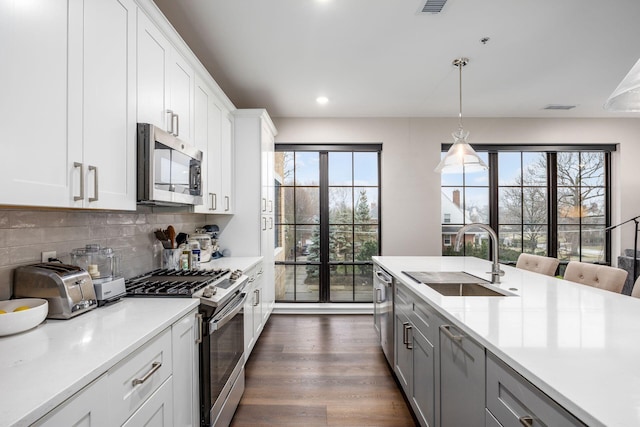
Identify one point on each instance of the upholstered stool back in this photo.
(538, 264)
(599, 276)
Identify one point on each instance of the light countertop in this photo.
(576, 343)
(44, 366)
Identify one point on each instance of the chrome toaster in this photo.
(68, 288)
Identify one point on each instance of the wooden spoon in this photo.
(171, 234)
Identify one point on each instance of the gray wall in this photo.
(25, 233)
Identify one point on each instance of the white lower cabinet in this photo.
(136, 378)
(86, 408)
(158, 384)
(254, 309)
(186, 371)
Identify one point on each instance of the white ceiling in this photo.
(382, 58)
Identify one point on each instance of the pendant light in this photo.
(626, 97)
(461, 157)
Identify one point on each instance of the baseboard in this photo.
(322, 308)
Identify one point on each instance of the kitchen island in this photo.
(575, 343)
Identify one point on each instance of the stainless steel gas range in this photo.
(222, 296)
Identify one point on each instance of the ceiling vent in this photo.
(559, 107)
(433, 6)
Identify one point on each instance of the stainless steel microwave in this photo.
(169, 170)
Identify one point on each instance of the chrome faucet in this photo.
(496, 273)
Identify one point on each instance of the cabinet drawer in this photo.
(426, 320)
(148, 367)
(157, 410)
(513, 400)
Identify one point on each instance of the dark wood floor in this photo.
(320, 370)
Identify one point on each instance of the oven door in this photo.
(222, 362)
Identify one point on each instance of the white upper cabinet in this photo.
(72, 120)
(213, 135)
(166, 83)
(33, 105)
(107, 128)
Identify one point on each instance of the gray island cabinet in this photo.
(454, 356)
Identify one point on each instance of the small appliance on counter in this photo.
(103, 265)
(213, 231)
(67, 288)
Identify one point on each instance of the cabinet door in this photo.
(226, 163)
(462, 375)
(109, 99)
(185, 371)
(33, 105)
(215, 168)
(86, 408)
(403, 354)
(202, 102)
(423, 397)
(153, 56)
(181, 85)
(249, 332)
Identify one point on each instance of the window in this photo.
(545, 200)
(330, 222)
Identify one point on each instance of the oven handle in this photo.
(227, 313)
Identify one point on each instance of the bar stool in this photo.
(599, 276)
(635, 292)
(538, 264)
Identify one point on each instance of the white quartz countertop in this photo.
(42, 367)
(576, 343)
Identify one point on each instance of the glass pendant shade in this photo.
(461, 157)
(626, 97)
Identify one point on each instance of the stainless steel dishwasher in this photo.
(383, 289)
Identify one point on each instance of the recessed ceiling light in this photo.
(322, 100)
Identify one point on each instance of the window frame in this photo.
(551, 151)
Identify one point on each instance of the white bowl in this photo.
(13, 322)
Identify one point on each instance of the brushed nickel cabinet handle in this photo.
(199, 335)
(264, 223)
(170, 129)
(526, 420)
(264, 204)
(447, 331)
(227, 201)
(81, 166)
(405, 338)
(270, 206)
(95, 183)
(378, 296)
(270, 223)
(177, 117)
(154, 367)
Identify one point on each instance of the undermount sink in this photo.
(457, 283)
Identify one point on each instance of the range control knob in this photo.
(209, 291)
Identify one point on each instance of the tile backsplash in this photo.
(26, 233)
